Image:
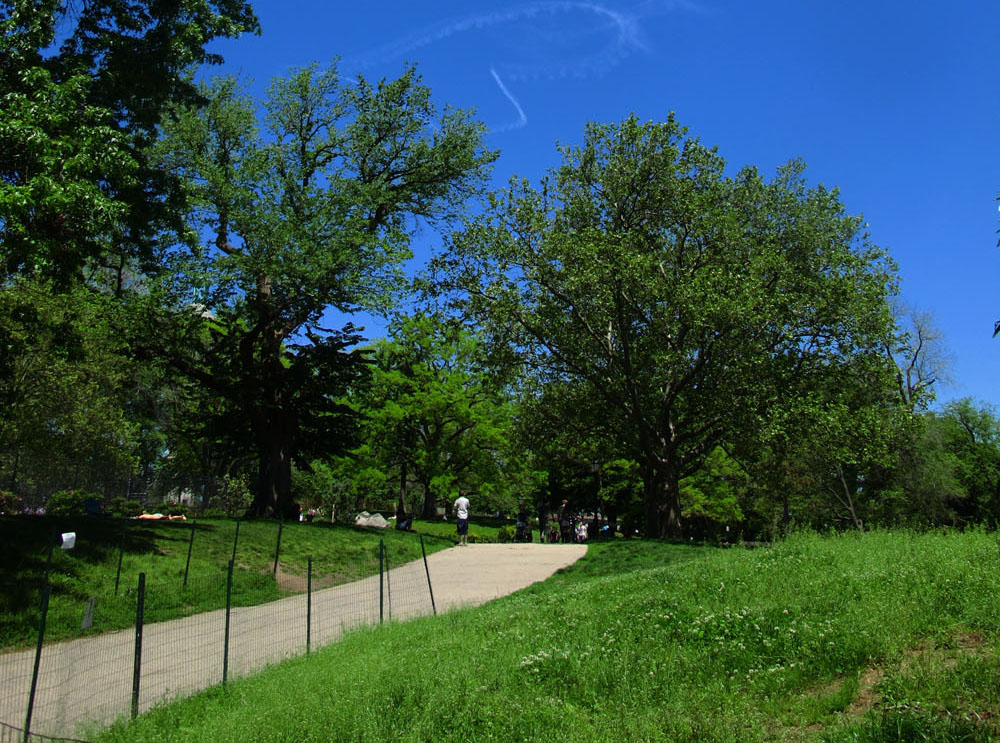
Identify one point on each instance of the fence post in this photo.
(388, 585)
(38, 658)
(121, 554)
(277, 547)
(229, 603)
(309, 602)
(236, 539)
(140, 606)
(187, 564)
(381, 582)
(46, 589)
(430, 588)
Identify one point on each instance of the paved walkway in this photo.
(89, 681)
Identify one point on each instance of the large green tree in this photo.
(83, 86)
(435, 415)
(65, 417)
(583, 451)
(308, 208)
(970, 432)
(679, 295)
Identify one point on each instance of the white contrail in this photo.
(522, 118)
(625, 38)
(627, 29)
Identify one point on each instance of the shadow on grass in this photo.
(25, 542)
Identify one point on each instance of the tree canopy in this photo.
(436, 418)
(83, 88)
(309, 209)
(678, 294)
(647, 331)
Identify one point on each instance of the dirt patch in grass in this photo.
(867, 697)
(825, 689)
(971, 641)
(946, 656)
(299, 582)
(291, 583)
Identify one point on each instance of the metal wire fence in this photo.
(127, 657)
(13, 734)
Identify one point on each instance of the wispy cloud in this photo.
(522, 119)
(546, 40)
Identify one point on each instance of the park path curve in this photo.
(87, 683)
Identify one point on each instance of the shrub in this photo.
(235, 495)
(68, 502)
(125, 508)
(174, 509)
(505, 534)
(9, 503)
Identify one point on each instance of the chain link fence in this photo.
(130, 653)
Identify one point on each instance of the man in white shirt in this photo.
(462, 518)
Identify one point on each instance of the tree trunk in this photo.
(274, 424)
(273, 491)
(847, 500)
(429, 510)
(661, 495)
(14, 473)
(401, 505)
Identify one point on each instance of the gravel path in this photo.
(88, 682)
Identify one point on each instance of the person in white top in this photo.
(462, 518)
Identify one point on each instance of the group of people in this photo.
(564, 526)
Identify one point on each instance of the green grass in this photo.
(159, 549)
(874, 637)
(481, 529)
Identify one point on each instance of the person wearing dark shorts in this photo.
(462, 519)
(565, 523)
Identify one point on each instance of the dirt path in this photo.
(89, 681)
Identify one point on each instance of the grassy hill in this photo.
(160, 549)
(857, 637)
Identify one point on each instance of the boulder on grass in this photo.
(366, 519)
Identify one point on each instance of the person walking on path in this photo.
(543, 520)
(462, 519)
(565, 523)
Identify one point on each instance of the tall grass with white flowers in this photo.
(853, 637)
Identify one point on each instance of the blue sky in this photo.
(896, 103)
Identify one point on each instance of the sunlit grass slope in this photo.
(870, 637)
(481, 529)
